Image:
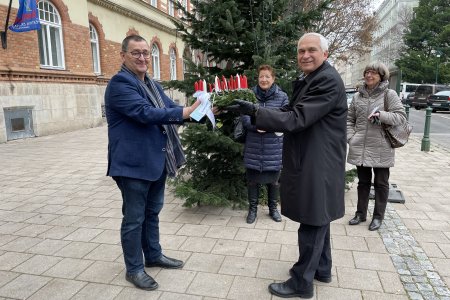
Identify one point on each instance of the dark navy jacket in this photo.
(137, 141)
(263, 151)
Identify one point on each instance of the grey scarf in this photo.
(175, 155)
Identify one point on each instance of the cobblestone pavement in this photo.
(60, 217)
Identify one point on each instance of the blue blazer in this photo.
(136, 139)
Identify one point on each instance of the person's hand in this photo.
(244, 107)
(188, 110)
(374, 118)
(216, 111)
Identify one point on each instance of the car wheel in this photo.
(417, 107)
(434, 110)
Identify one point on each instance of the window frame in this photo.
(96, 57)
(154, 3)
(173, 64)
(171, 8)
(46, 26)
(156, 65)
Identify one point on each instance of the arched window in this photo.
(155, 61)
(51, 49)
(95, 49)
(173, 64)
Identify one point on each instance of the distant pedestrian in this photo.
(312, 182)
(369, 149)
(143, 149)
(263, 149)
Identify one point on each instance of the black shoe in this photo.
(375, 224)
(251, 217)
(142, 280)
(283, 290)
(166, 263)
(275, 215)
(356, 220)
(324, 279)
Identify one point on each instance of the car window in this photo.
(424, 89)
(410, 88)
(443, 93)
(441, 88)
(350, 94)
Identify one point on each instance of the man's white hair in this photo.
(323, 40)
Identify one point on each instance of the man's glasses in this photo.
(137, 54)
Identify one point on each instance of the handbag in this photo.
(239, 132)
(397, 135)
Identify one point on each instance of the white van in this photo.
(406, 88)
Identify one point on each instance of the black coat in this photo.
(313, 175)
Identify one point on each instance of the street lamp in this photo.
(438, 55)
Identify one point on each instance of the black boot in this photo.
(272, 195)
(253, 195)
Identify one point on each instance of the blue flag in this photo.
(27, 17)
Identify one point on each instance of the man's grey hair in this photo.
(323, 40)
(380, 68)
(134, 38)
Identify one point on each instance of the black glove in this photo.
(244, 107)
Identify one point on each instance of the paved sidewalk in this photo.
(60, 217)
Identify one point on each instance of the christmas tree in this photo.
(236, 36)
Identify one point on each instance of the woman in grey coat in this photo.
(368, 147)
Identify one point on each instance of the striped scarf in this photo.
(174, 151)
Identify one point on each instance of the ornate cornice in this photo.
(135, 15)
(49, 76)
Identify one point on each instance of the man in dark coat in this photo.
(143, 149)
(314, 150)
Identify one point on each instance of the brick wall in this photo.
(74, 94)
(22, 51)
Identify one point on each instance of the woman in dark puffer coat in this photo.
(263, 150)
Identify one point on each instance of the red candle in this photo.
(244, 79)
(196, 86)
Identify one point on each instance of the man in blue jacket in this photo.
(143, 149)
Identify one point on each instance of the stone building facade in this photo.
(53, 80)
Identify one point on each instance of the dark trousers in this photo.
(381, 186)
(139, 233)
(315, 256)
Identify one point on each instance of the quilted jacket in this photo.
(368, 145)
(263, 151)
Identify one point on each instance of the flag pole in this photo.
(3, 33)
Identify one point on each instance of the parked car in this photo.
(350, 93)
(425, 90)
(408, 100)
(440, 101)
(406, 89)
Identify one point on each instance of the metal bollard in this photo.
(407, 107)
(426, 131)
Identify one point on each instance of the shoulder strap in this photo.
(385, 99)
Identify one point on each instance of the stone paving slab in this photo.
(60, 219)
